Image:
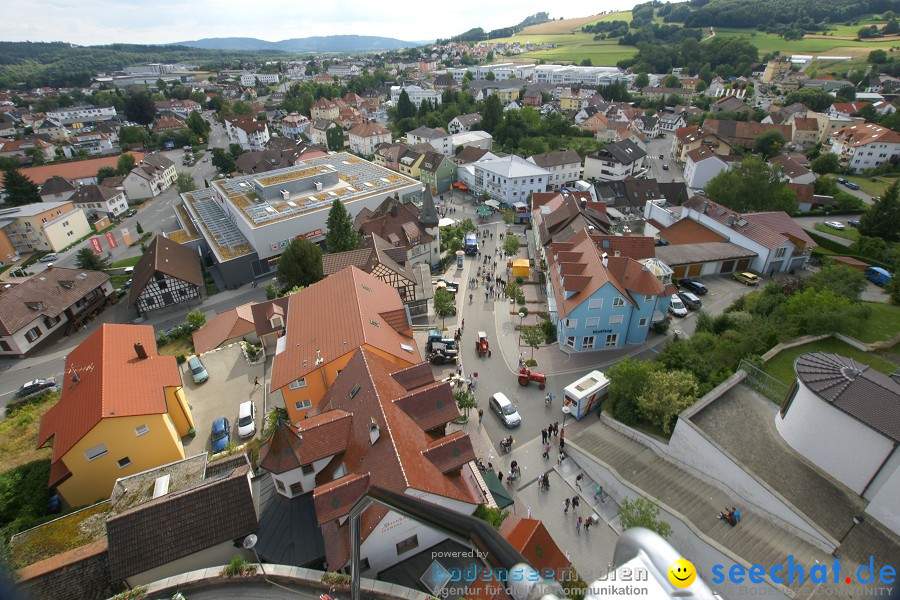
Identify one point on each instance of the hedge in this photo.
(842, 250)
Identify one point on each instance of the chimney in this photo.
(139, 350)
(730, 220)
(604, 258)
(583, 204)
(393, 210)
(374, 432)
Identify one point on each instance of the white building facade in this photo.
(416, 94)
(507, 179)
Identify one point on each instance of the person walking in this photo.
(500, 476)
(556, 428)
(566, 508)
(562, 444)
(578, 479)
(480, 415)
(560, 457)
(587, 523)
(578, 524)
(256, 382)
(529, 512)
(543, 436)
(575, 501)
(601, 494)
(546, 453)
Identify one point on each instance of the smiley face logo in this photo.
(682, 573)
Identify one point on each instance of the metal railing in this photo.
(764, 383)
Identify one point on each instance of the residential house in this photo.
(20, 148)
(401, 158)
(231, 325)
(598, 301)
(670, 122)
(506, 179)
(846, 109)
(437, 172)
(40, 227)
(884, 108)
(387, 262)
(444, 82)
(57, 189)
(731, 104)
(743, 134)
(247, 131)
(439, 139)
(806, 130)
(614, 162)
(464, 123)
(828, 124)
(151, 177)
(662, 93)
(725, 241)
(365, 137)
(471, 154)
(168, 123)
(293, 125)
(866, 146)
(564, 167)
(380, 423)
(793, 171)
(179, 108)
(327, 109)
(167, 274)
(533, 97)
(36, 311)
(788, 82)
(318, 131)
(691, 138)
(648, 125)
(76, 171)
(841, 415)
(121, 411)
(93, 143)
(557, 216)
(45, 127)
(100, 200)
(595, 124)
(8, 126)
(416, 94)
(323, 335)
(702, 164)
(282, 152)
(269, 319)
(404, 225)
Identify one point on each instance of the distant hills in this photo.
(328, 43)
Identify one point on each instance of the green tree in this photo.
(845, 282)
(816, 312)
(300, 263)
(628, 379)
(197, 124)
(88, 260)
(846, 93)
(641, 81)
(878, 56)
(826, 163)
(222, 160)
(892, 289)
(185, 183)
(640, 512)
(334, 137)
(671, 81)
(814, 98)
(667, 394)
(511, 244)
(465, 400)
(235, 150)
(196, 319)
(883, 218)
(19, 188)
(139, 108)
(491, 113)
(891, 28)
(533, 336)
(125, 164)
(769, 143)
(340, 236)
(138, 228)
(490, 76)
(444, 304)
(405, 108)
(753, 185)
(133, 135)
(37, 156)
(104, 172)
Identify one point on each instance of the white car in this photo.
(247, 419)
(677, 307)
(834, 224)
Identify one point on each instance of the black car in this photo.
(34, 386)
(693, 285)
(130, 213)
(853, 223)
(691, 301)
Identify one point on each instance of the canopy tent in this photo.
(446, 222)
(492, 203)
(460, 186)
(501, 496)
(483, 211)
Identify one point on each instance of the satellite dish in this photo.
(250, 541)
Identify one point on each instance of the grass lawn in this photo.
(872, 188)
(118, 281)
(575, 47)
(183, 346)
(19, 431)
(567, 25)
(883, 323)
(781, 367)
(851, 233)
(837, 68)
(127, 262)
(767, 42)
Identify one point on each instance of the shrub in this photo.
(162, 339)
(138, 592)
(180, 359)
(238, 567)
(494, 516)
(519, 280)
(662, 327)
(549, 331)
(530, 363)
(331, 578)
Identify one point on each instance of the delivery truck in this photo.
(586, 394)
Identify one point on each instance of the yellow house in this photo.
(507, 95)
(121, 411)
(570, 101)
(326, 324)
(44, 226)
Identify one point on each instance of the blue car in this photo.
(198, 370)
(221, 434)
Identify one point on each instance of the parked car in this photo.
(853, 223)
(665, 167)
(677, 307)
(505, 409)
(34, 386)
(841, 180)
(130, 212)
(878, 276)
(52, 257)
(221, 434)
(693, 285)
(247, 419)
(691, 301)
(834, 225)
(852, 186)
(198, 370)
(747, 277)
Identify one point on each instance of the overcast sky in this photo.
(92, 22)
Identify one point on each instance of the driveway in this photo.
(723, 290)
(230, 383)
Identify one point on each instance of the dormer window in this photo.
(276, 322)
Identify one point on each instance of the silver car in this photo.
(505, 409)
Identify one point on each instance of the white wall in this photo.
(291, 477)
(837, 443)
(220, 554)
(884, 492)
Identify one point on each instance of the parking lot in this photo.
(723, 290)
(230, 383)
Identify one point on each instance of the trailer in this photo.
(471, 243)
(586, 394)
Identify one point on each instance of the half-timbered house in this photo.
(168, 273)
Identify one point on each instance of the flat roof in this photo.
(224, 238)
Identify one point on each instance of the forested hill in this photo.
(478, 34)
(754, 13)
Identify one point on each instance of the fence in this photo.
(764, 383)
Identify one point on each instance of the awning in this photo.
(460, 186)
(483, 211)
(446, 222)
(501, 496)
(492, 203)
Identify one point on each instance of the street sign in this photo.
(95, 244)
(111, 240)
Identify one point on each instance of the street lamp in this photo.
(566, 410)
(250, 544)
(521, 318)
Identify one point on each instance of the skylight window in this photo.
(406, 347)
(353, 391)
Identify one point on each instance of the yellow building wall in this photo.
(6, 248)
(570, 103)
(179, 410)
(57, 234)
(507, 97)
(93, 480)
(316, 385)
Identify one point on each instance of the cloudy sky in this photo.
(91, 22)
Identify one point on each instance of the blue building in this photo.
(598, 301)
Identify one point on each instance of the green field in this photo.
(872, 188)
(575, 47)
(851, 233)
(837, 68)
(767, 42)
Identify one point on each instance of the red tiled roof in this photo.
(782, 223)
(227, 325)
(450, 452)
(335, 316)
(689, 231)
(79, 169)
(631, 246)
(335, 499)
(113, 382)
(750, 229)
(291, 446)
(533, 541)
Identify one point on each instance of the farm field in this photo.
(767, 42)
(569, 25)
(574, 47)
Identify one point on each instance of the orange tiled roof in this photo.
(689, 231)
(113, 382)
(79, 169)
(227, 325)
